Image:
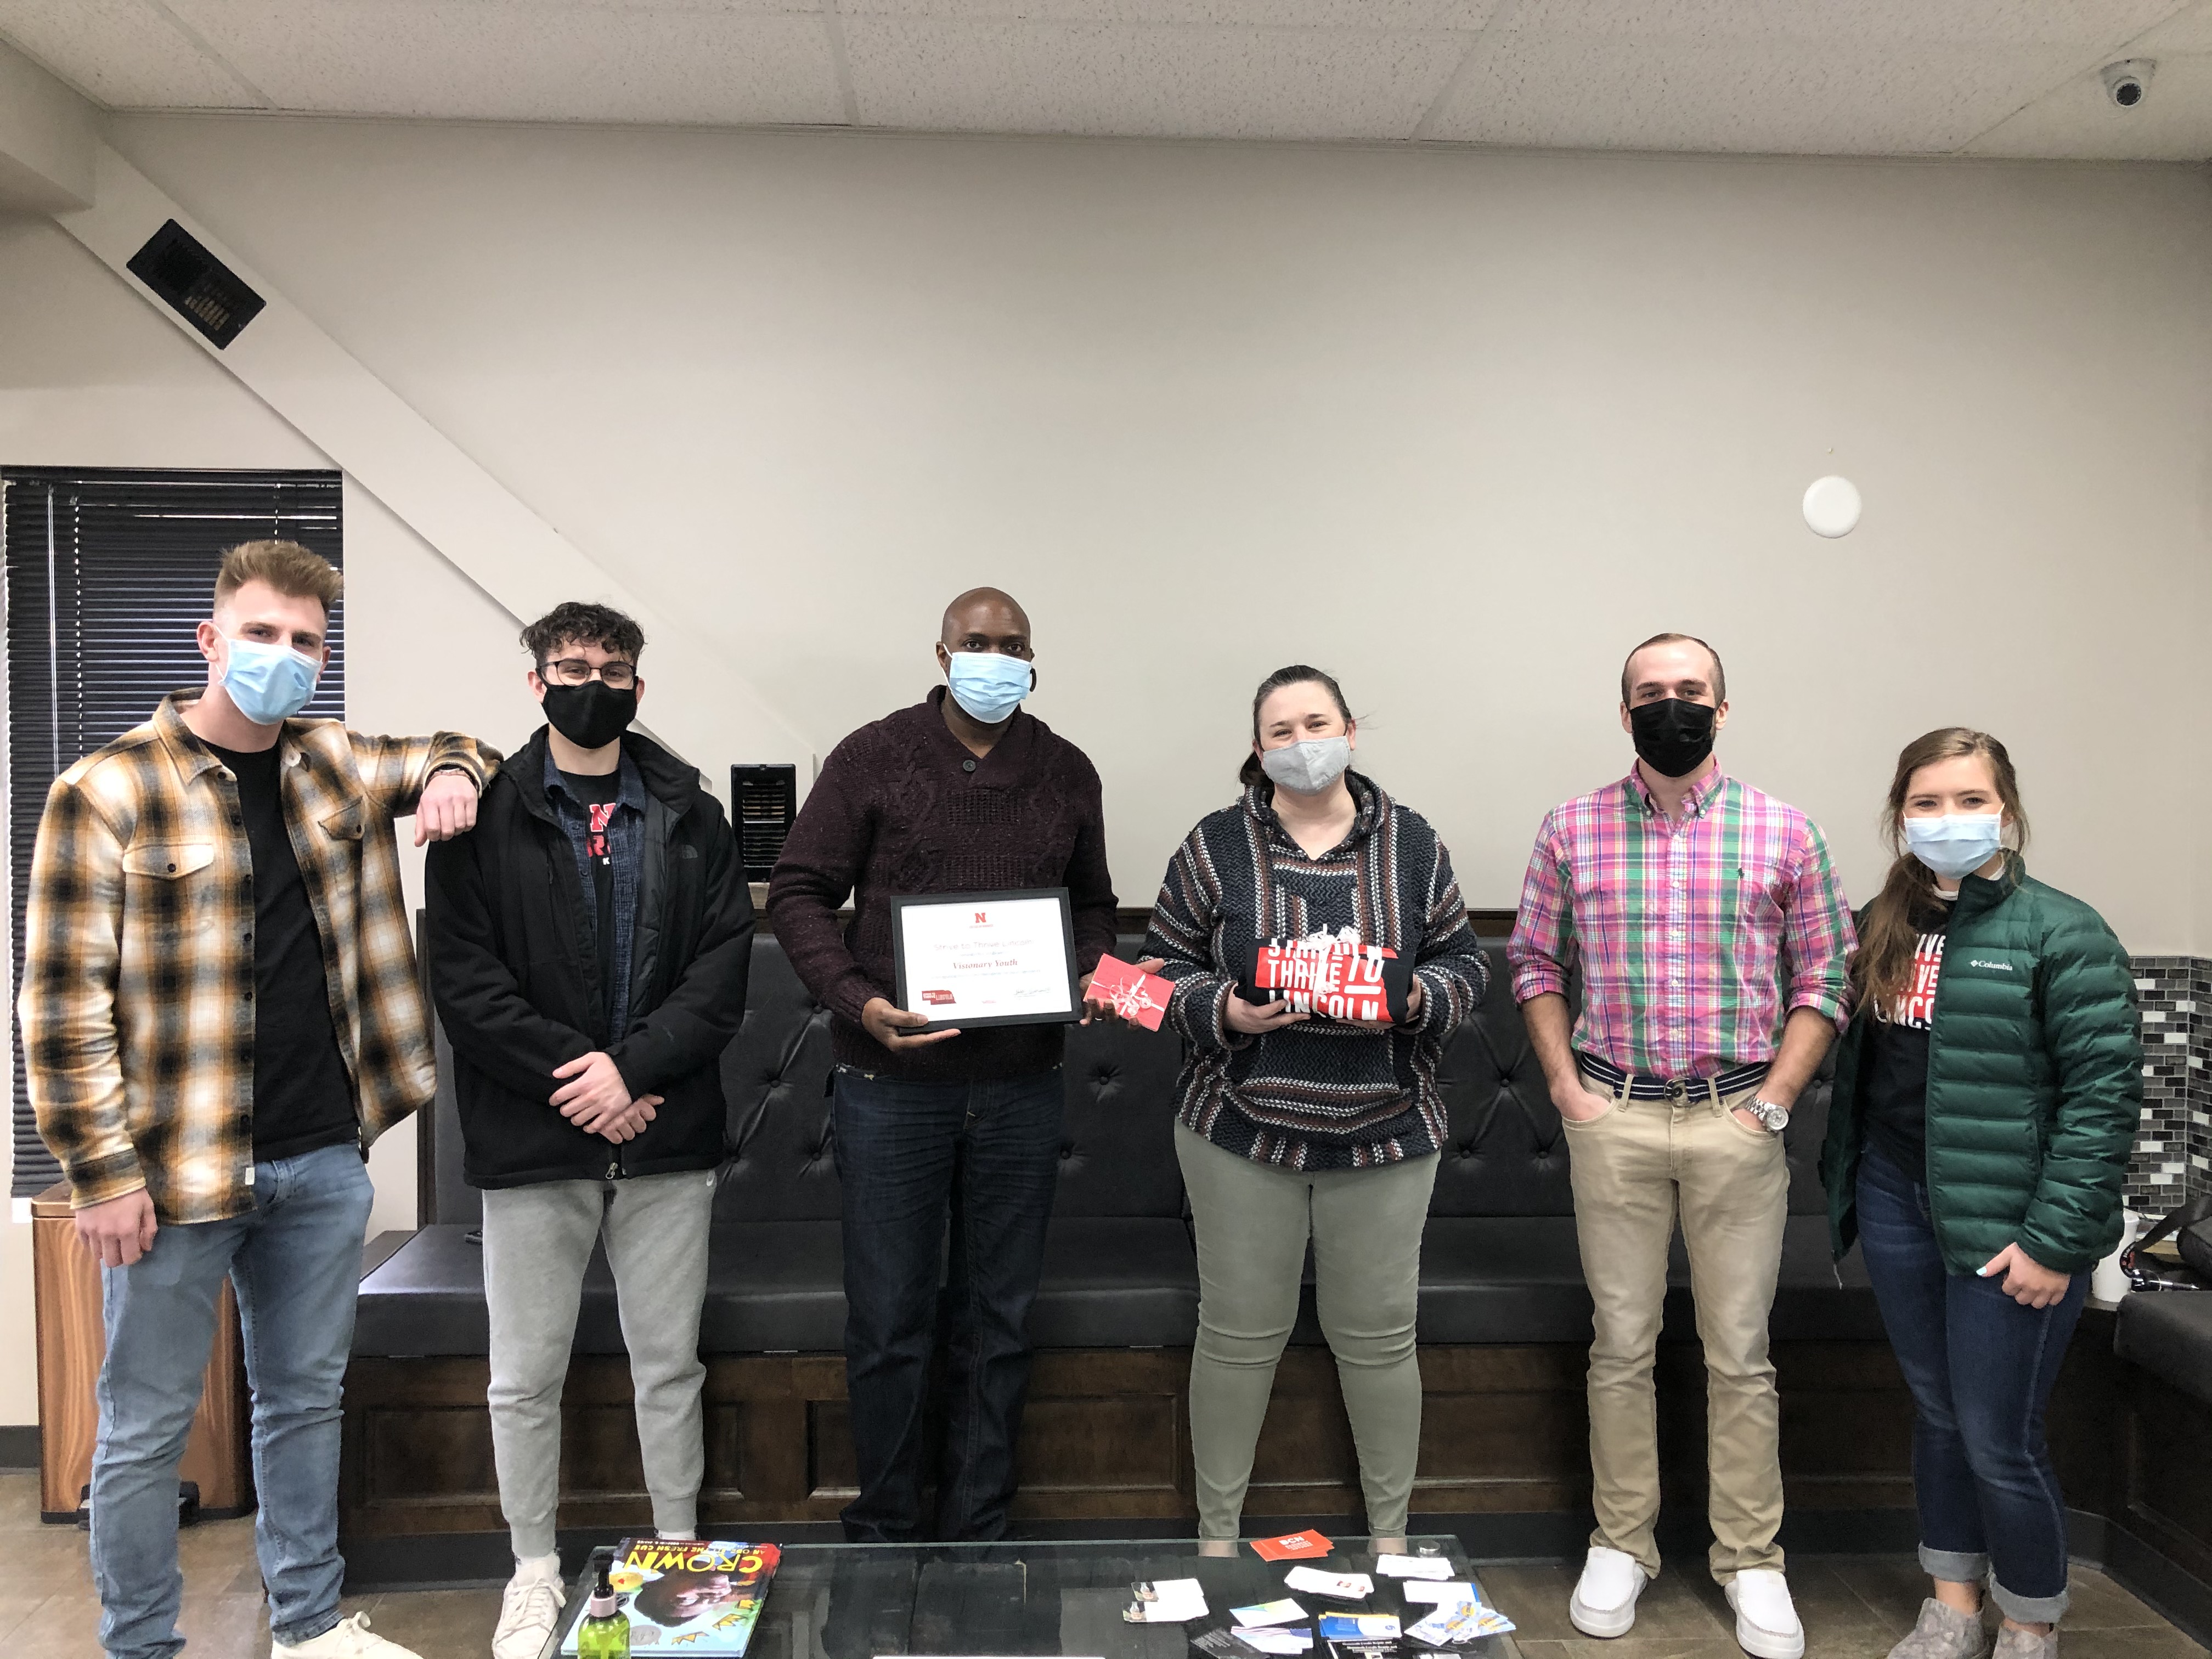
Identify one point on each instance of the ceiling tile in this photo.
(2078, 121)
(1246, 14)
(757, 7)
(122, 53)
(1607, 91)
(2088, 23)
(1145, 81)
(2189, 31)
(464, 59)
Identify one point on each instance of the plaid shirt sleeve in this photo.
(1817, 935)
(1542, 949)
(394, 769)
(72, 949)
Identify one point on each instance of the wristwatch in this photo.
(1776, 1118)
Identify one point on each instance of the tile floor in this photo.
(1854, 1606)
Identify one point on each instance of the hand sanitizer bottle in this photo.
(604, 1631)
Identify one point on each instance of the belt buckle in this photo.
(1678, 1091)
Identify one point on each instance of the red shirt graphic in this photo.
(1916, 1005)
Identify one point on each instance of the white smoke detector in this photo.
(1832, 506)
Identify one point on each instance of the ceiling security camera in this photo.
(2127, 82)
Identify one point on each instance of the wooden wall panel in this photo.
(1107, 1437)
(2167, 1463)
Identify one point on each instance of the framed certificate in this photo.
(977, 959)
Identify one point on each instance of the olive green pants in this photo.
(1253, 1223)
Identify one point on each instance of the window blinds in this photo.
(107, 572)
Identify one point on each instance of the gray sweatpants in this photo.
(536, 1243)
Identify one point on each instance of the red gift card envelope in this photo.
(1292, 1545)
(1130, 992)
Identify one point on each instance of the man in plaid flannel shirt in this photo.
(220, 1011)
(1711, 934)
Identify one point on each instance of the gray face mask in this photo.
(1308, 766)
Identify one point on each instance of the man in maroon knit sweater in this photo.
(962, 792)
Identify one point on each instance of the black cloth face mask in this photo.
(1673, 738)
(591, 716)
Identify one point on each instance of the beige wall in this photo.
(1459, 427)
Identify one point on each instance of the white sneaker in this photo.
(1766, 1620)
(1604, 1601)
(350, 1639)
(529, 1610)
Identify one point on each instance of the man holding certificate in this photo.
(947, 1023)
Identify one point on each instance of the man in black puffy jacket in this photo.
(589, 947)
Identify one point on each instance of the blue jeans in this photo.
(1981, 1367)
(295, 1261)
(909, 1157)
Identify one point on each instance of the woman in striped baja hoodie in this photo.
(1294, 1127)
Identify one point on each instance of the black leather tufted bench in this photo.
(1499, 1263)
(2169, 1335)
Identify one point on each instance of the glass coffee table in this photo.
(871, 1600)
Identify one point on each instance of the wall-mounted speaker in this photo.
(763, 800)
(198, 287)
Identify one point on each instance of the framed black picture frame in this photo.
(923, 989)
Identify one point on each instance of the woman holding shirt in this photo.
(1987, 1094)
(1321, 1125)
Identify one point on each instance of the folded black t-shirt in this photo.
(1329, 977)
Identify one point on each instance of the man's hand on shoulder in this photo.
(447, 807)
(118, 1232)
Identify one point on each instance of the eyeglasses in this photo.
(574, 671)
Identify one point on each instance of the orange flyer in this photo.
(1292, 1545)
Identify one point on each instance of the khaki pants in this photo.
(1636, 1169)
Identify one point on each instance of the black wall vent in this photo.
(763, 800)
(204, 291)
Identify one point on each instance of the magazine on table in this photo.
(694, 1596)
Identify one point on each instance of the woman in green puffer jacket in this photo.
(1987, 1094)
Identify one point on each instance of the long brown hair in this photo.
(1907, 899)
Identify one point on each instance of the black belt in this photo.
(1731, 1082)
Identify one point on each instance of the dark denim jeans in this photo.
(295, 1261)
(912, 1157)
(1980, 1367)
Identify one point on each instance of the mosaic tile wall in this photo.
(2173, 1149)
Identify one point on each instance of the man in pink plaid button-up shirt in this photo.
(1712, 937)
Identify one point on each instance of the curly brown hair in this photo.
(575, 623)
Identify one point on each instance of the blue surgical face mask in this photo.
(989, 686)
(269, 683)
(1957, 844)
